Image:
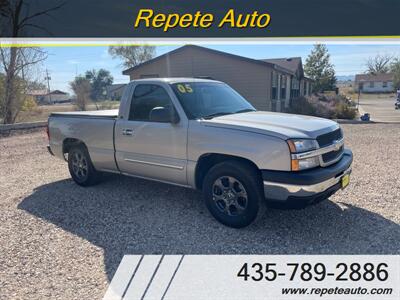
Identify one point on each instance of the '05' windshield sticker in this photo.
(185, 88)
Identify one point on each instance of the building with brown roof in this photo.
(267, 84)
(374, 83)
(46, 97)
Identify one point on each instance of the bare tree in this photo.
(82, 89)
(17, 64)
(3, 4)
(4, 7)
(18, 15)
(132, 55)
(379, 64)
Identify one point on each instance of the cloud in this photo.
(73, 62)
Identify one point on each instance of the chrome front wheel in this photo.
(232, 192)
(229, 195)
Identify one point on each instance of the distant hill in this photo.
(345, 78)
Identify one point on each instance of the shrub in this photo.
(302, 106)
(344, 111)
(324, 106)
(29, 104)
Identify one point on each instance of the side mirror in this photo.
(163, 115)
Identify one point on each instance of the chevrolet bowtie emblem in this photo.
(337, 144)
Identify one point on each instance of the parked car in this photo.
(202, 134)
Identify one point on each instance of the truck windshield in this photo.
(209, 99)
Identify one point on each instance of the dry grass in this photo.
(353, 95)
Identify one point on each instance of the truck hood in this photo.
(280, 125)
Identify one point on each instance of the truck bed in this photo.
(94, 128)
(108, 114)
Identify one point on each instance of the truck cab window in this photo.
(145, 98)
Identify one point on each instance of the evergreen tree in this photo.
(319, 68)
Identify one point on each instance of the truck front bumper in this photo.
(299, 189)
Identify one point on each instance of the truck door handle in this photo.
(127, 131)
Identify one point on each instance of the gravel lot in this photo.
(62, 241)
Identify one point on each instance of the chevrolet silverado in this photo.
(202, 134)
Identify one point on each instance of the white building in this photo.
(374, 83)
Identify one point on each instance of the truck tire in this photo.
(233, 193)
(81, 168)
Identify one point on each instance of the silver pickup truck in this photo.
(202, 134)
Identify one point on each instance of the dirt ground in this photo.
(62, 241)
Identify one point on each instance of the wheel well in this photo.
(207, 161)
(68, 143)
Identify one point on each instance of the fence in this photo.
(9, 128)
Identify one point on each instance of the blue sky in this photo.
(64, 62)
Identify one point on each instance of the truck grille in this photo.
(330, 156)
(328, 139)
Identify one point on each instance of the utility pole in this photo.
(48, 78)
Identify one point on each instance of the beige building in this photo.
(374, 83)
(268, 84)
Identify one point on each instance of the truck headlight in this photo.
(297, 146)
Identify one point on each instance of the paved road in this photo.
(62, 241)
(381, 108)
